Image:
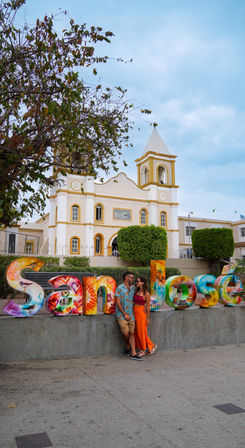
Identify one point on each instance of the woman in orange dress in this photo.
(142, 318)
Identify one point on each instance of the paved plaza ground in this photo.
(167, 400)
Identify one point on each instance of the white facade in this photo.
(85, 216)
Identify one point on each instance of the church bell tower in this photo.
(157, 165)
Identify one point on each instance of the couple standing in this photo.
(133, 316)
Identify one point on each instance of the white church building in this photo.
(85, 216)
(87, 222)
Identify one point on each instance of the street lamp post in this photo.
(189, 224)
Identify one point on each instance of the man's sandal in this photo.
(153, 350)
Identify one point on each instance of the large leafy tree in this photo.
(142, 244)
(49, 116)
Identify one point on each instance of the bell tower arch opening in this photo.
(162, 175)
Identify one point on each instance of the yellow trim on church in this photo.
(171, 156)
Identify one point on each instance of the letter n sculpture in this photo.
(157, 284)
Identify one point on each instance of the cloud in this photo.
(209, 204)
(217, 128)
(174, 50)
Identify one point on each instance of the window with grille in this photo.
(75, 213)
(75, 245)
(28, 248)
(163, 219)
(143, 217)
(242, 230)
(189, 230)
(98, 215)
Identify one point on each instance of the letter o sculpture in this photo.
(180, 284)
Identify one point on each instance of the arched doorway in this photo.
(114, 248)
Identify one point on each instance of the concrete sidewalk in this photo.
(167, 400)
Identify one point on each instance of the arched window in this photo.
(162, 175)
(75, 213)
(99, 209)
(145, 176)
(143, 216)
(163, 219)
(75, 245)
(98, 244)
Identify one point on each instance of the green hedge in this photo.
(50, 261)
(76, 261)
(66, 269)
(116, 273)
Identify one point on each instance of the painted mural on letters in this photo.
(179, 292)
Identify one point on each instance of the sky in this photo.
(188, 69)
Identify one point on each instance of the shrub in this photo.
(142, 244)
(76, 261)
(50, 261)
(172, 271)
(213, 244)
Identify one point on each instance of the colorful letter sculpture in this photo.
(34, 291)
(206, 290)
(91, 286)
(62, 303)
(180, 292)
(109, 286)
(229, 269)
(230, 289)
(157, 284)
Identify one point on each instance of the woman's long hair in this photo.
(145, 286)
